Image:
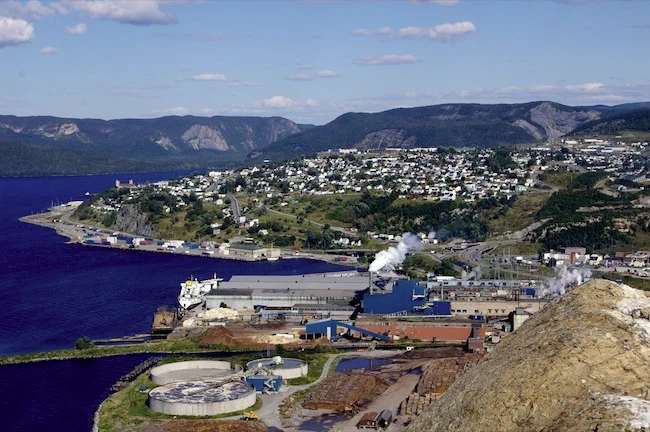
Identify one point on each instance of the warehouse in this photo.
(246, 292)
(253, 251)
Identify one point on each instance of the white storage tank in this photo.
(287, 368)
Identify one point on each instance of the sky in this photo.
(313, 60)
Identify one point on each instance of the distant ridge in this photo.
(446, 125)
(43, 143)
(46, 145)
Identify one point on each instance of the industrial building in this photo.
(246, 292)
(404, 297)
(253, 251)
(424, 329)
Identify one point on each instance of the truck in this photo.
(249, 415)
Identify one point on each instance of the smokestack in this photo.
(370, 282)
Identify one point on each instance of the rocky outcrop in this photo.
(204, 137)
(130, 219)
(580, 364)
(387, 138)
(166, 143)
(558, 122)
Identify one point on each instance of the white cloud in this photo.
(383, 31)
(442, 32)
(390, 59)
(277, 102)
(300, 77)
(209, 77)
(32, 9)
(587, 87)
(15, 31)
(76, 30)
(243, 84)
(327, 74)
(49, 50)
(311, 103)
(137, 12)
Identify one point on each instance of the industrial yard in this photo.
(363, 385)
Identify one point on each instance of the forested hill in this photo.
(632, 121)
(447, 125)
(46, 145)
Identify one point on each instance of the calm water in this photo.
(54, 293)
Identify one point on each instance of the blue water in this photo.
(367, 363)
(54, 293)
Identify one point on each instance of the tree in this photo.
(84, 343)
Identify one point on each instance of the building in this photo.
(424, 329)
(253, 251)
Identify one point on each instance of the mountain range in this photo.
(52, 145)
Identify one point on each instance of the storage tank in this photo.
(190, 370)
(202, 398)
(287, 368)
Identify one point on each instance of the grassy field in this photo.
(521, 248)
(165, 346)
(521, 214)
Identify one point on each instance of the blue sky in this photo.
(311, 61)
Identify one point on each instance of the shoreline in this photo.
(74, 234)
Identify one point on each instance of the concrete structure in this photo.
(287, 368)
(202, 398)
(518, 317)
(494, 308)
(245, 292)
(254, 251)
(190, 371)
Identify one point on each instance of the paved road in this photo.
(234, 203)
(269, 411)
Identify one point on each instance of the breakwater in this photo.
(128, 378)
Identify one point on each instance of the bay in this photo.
(54, 293)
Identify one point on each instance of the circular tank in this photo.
(202, 398)
(190, 371)
(287, 368)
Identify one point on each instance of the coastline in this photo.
(57, 219)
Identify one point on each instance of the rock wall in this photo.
(130, 219)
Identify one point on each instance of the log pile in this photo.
(345, 392)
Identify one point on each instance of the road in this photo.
(269, 411)
(342, 230)
(234, 203)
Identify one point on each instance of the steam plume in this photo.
(564, 279)
(395, 255)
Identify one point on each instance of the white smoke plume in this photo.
(476, 273)
(564, 280)
(395, 255)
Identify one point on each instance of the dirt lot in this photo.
(204, 426)
(261, 336)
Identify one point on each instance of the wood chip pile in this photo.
(345, 391)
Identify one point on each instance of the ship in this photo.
(193, 291)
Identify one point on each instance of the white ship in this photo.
(193, 291)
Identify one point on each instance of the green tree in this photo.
(84, 343)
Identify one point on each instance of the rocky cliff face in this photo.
(558, 122)
(581, 364)
(130, 219)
